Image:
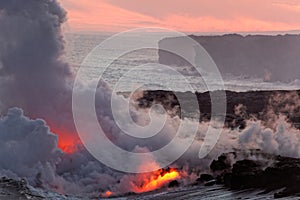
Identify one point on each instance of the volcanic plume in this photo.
(34, 77)
(32, 73)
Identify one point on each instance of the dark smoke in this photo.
(28, 148)
(32, 74)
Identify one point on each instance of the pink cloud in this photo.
(97, 15)
(189, 15)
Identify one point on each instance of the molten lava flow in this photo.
(107, 194)
(157, 180)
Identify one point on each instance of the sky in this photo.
(183, 15)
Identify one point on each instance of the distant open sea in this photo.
(80, 45)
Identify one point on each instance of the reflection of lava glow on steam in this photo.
(67, 141)
(156, 180)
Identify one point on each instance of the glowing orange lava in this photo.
(157, 180)
(107, 194)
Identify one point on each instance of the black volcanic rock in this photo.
(12, 189)
(210, 183)
(284, 174)
(246, 174)
(205, 178)
(255, 103)
(174, 183)
(221, 164)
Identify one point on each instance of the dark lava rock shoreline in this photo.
(243, 170)
(271, 173)
(16, 189)
(254, 169)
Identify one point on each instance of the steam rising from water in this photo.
(79, 173)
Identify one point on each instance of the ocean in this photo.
(138, 63)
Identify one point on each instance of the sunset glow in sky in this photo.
(184, 15)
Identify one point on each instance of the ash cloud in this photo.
(28, 148)
(32, 74)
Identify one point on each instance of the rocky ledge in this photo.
(11, 189)
(266, 172)
(240, 105)
(16, 190)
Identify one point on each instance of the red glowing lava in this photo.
(156, 180)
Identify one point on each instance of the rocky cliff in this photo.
(273, 58)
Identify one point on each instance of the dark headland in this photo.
(240, 106)
(273, 58)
